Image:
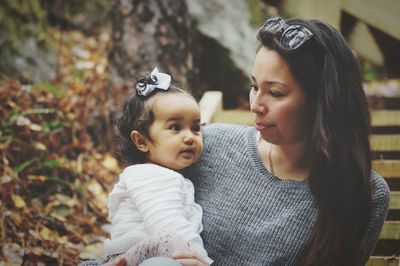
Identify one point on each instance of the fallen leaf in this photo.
(13, 253)
(5, 179)
(23, 121)
(40, 178)
(18, 201)
(62, 210)
(94, 187)
(39, 146)
(58, 217)
(45, 233)
(92, 251)
(110, 163)
(16, 218)
(35, 127)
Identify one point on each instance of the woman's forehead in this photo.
(270, 67)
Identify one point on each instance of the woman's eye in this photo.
(254, 87)
(275, 93)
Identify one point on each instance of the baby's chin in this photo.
(182, 166)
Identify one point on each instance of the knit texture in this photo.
(251, 217)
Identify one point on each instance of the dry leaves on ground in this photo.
(55, 161)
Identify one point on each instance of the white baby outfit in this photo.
(149, 199)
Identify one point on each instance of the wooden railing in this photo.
(385, 148)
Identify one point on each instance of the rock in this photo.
(27, 58)
(204, 45)
(150, 33)
(228, 22)
(34, 63)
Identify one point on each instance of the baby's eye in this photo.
(196, 128)
(175, 127)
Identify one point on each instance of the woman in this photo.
(296, 189)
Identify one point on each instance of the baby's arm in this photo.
(158, 195)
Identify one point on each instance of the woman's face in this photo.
(278, 100)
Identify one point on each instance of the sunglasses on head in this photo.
(292, 36)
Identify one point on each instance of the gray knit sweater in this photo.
(251, 217)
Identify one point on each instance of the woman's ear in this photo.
(140, 141)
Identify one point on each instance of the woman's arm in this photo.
(186, 258)
(379, 209)
(189, 258)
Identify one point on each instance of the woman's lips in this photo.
(260, 126)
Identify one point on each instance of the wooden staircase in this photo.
(385, 144)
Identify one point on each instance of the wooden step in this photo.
(379, 143)
(385, 118)
(385, 142)
(394, 200)
(383, 261)
(379, 118)
(387, 168)
(241, 117)
(390, 230)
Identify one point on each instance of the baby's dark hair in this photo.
(136, 114)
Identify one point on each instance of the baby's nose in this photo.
(188, 139)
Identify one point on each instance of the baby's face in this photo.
(175, 133)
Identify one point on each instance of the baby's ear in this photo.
(140, 141)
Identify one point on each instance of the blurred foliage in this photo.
(371, 75)
(257, 12)
(86, 15)
(54, 177)
(51, 204)
(15, 15)
(371, 72)
(21, 20)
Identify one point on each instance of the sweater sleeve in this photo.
(379, 208)
(159, 194)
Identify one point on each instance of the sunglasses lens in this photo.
(274, 25)
(294, 36)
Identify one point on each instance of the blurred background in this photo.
(66, 65)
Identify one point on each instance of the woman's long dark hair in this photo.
(341, 157)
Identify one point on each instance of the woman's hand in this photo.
(120, 261)
(184, 257)
(189, 258)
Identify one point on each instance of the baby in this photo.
(152, 208)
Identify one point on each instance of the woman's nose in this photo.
(257, 105)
